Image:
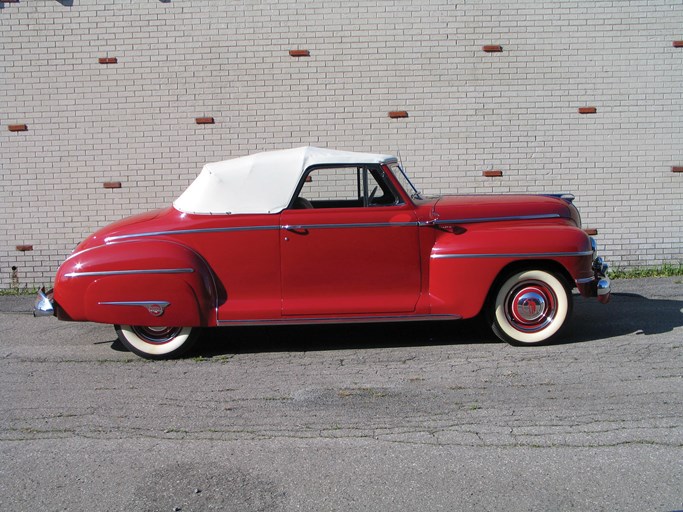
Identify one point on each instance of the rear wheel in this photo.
(157, 342)
(530, 307)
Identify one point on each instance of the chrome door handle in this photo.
(296, 229)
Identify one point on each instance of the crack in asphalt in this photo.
(430, 438)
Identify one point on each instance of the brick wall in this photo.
(117, 93)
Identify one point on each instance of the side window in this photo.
(332, 184)
(344, 187)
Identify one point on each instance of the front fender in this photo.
(464, 264)
(151, 283)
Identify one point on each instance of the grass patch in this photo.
(666, 270)
(18, 292)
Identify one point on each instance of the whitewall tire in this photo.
(157, 342)
(530, 307)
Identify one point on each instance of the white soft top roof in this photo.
(260, 183)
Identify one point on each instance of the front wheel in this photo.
(530, 307)
(157, 342)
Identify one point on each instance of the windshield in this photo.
(404, 181)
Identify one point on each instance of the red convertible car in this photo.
(311, 235)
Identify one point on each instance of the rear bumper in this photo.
(44, 304)
(599, 285)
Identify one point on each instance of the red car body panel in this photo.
(342, 261)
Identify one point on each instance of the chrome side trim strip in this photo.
(329, 226)
(154, 308)
(257, 228)
(144, 303)
(341, 320)
(515, 255)
(131, 272)
(494, 219)
(191, 232)
(355, 225)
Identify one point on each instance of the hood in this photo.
(487, 208)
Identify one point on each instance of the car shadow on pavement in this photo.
(591, 322)
(626, 313)
(305, 338)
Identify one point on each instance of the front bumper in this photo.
(599, 285)
(44, 304)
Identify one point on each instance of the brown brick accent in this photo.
(677, 168)
(492, 174)
(17, 128)
(108, 60)
(591, 231)
(112, 184)
(587, 110)
(677, 44)
(205, 120)
(299, 53)
(398, 114)
(492, 48)
(24, 248)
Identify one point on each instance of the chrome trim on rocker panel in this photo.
(515, 255)
(191, 232)
(341, 320)
(130, 272)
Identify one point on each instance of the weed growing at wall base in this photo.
(666, 270)
(18, 291)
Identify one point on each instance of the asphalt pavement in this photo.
(380, 417)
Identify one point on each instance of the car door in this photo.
(349, 245)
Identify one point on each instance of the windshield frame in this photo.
(403, 180)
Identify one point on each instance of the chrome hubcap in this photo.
(156, 335)
(530, 306)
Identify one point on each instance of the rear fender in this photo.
(465, 264)
(149, 283)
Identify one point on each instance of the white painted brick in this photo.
(469, 111)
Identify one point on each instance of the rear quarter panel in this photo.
(155, 271)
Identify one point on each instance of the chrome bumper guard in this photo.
(603, 283)
(599, 285)
(44, 304)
